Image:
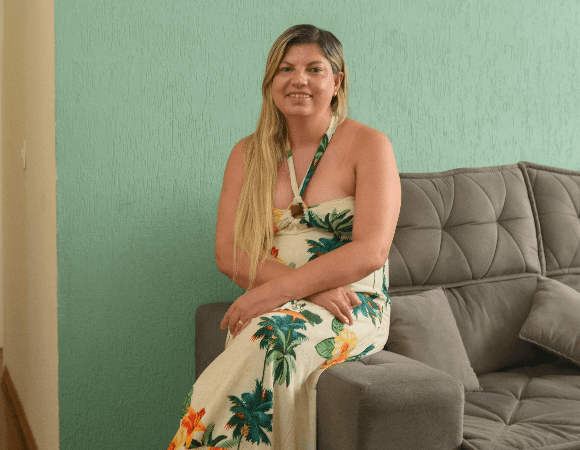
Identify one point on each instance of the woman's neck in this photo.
(307, 131)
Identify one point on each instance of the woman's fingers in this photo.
(339, 314)
(346, 314)
(355, 301)
(241, 328)
(226, 319)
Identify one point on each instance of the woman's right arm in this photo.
(224, 238)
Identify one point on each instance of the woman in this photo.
(317, 277)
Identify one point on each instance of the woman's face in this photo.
(304, 83)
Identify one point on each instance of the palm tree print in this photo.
(368, 307)
(324, 245)
(251, 416)
(334, 222)
(279, 336)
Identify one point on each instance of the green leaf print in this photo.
(337, 326)
(357, 357)
(324, 245)
(325, 348)
(334, 222)
(250, 415)
(283, 366)
(283, 350)
(186, 403)
(385, 286)
(279, 335)
(208, 441)
(368, 307)
(313, 319)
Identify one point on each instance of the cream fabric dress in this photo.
(260, 392)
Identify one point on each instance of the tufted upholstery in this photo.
(485, 235)
(462, 225)
(528, 408)
(557, 197)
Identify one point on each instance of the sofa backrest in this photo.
(473, 232)
(556, 200)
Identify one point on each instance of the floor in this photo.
(9, 431)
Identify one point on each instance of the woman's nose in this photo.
(299, 78)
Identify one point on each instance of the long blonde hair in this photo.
(264, 149)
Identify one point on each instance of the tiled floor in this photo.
(10, 437)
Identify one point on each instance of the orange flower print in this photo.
(190, 423)
(343, 344)
(275, 228)
(290, 312)
(274, 252)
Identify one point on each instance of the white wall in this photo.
(29, 213)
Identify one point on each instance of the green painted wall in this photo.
(150, 99)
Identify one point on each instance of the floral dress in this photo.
(260, 393)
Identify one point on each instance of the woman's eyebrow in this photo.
(309, 64)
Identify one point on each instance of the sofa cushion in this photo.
(527, 408)
(556, 193)
(554, 321)
(489, 316)
(423, 328)
(463, 225)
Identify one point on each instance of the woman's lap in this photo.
(253, 390)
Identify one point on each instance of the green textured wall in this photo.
(150, 99)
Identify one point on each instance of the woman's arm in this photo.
(267, 269)
(377, 205)
(224, 241)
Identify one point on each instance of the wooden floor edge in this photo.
(12, 397)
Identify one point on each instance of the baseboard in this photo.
(12, 399)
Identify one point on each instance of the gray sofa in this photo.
(484, 347)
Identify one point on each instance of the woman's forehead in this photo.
(310, 52)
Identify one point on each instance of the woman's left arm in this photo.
(377, 205)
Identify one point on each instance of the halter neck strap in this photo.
(299, 192)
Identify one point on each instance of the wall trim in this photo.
(12, 399)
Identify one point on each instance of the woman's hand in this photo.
(339, 301)
(245, 308)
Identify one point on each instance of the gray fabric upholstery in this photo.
(556, 194)
(463, 224)
(527, 408)
(423, 328)
(484, 235)
(390, 402)
(210, 341)
(489, 317)
(554, 321)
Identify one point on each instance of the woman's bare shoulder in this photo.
(236, 155)
(365, 136)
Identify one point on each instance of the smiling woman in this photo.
(317, 277)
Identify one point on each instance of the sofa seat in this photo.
(525, 408)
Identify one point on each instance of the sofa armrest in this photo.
(382, 401)
(388, 401)
(210, 341)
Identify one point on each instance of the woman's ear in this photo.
(338, 80)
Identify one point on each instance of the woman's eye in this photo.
(316, 69)
(284, 69)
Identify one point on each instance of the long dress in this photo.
(260, 392)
